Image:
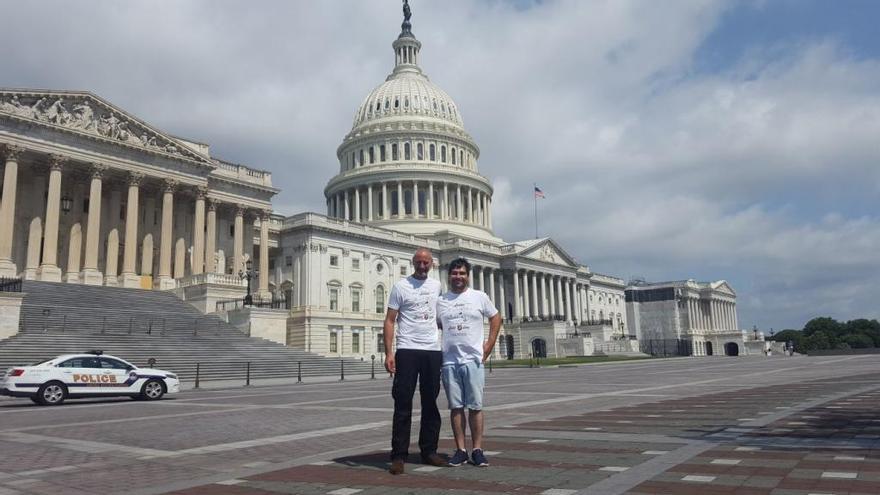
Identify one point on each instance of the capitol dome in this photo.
(408, 163)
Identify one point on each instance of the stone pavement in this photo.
(784, 426)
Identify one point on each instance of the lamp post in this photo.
(248, 274)
(66, 204)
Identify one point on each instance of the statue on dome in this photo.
(407, 14)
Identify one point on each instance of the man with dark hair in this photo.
(412, 305)
(461, 312)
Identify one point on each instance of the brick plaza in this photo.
(781, 426)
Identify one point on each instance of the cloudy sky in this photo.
(735, 140)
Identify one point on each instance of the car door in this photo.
(81, 374)
(117, 374)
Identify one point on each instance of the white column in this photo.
(533, 292)
(347, 209)
(415, 199)
(489, 211)
(543, 281)
(357, 205)
(385, 208)
(166, 240)
(570, 294)
(8, 267)
(401, 211)
(526, 295)
(238, 242)
(49, 270)
(492, 287)
(470, 209)
(129, 276)
(502, 302)
(517, 305)
(370, 203)
(560, 307)
(459, 211)
(483, 278)
(430, 202)
(264, 255)
(90, 274)
(211, 237)
(444, 209)
(198, 242)
(550, 283)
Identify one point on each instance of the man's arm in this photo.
(388, 337)
(494, 328)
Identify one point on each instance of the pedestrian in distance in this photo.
(461, 312)
(412, 307)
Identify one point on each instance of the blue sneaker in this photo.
(459, 458)
(478, 458)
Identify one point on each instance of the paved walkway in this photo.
(781, 426)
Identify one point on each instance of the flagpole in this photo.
(535, 197)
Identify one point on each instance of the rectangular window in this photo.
(403, 271)
(334, 260)
(355, 264)
(334, 299)
(406, 151)
(355, 300)
(380, 342)
(372, 155)
(288, 261)
(334, 341)
(355, 342)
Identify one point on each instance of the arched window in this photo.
(372, 155)
(432, 155)
(406, 151)
(443, 153)
(361, 160)
(394, 151)
(397, 103)
(380, 299)
(420, 152)
(461, 158)
(387, 103)
(406, 102)
(453, 156)
(381, 152)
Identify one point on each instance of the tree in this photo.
(859, 341)
(829, 326)
(794, 336)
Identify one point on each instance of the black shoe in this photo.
(458, 458)
(434, 459)
(396, 467)
(478, 458)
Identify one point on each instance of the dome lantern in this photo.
(406, 46)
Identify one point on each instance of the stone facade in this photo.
(703, 314)
(94, 195)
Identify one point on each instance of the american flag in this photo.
(539, 193)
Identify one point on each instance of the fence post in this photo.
(247, 381)
(373, 367)
(299, 372)
(341, 370)
(197, 375)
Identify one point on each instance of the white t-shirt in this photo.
(461, 316)
(416, 303)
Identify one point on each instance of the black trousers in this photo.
(422, 366)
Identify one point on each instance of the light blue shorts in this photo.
(464, 385)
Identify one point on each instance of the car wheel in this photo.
(51, 394)
(152, 390)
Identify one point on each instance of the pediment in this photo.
(549, 252)
(86, 114)
(723, 287)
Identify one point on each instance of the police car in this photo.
(92, 374)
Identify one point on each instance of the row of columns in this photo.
(454, 202)
(536, 295)
(712, 314)
(204, 228)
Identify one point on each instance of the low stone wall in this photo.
(269, 324)
(10, 313)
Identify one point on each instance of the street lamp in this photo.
(248, 274)
(66, 204)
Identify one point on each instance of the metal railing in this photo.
(247, 371)
(8, 284)
(49, 321)
(256, 302)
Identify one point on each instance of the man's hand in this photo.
(487, 350)
(389, 363)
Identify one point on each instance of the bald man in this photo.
(412, 305)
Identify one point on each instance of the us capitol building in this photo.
(94, 195)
